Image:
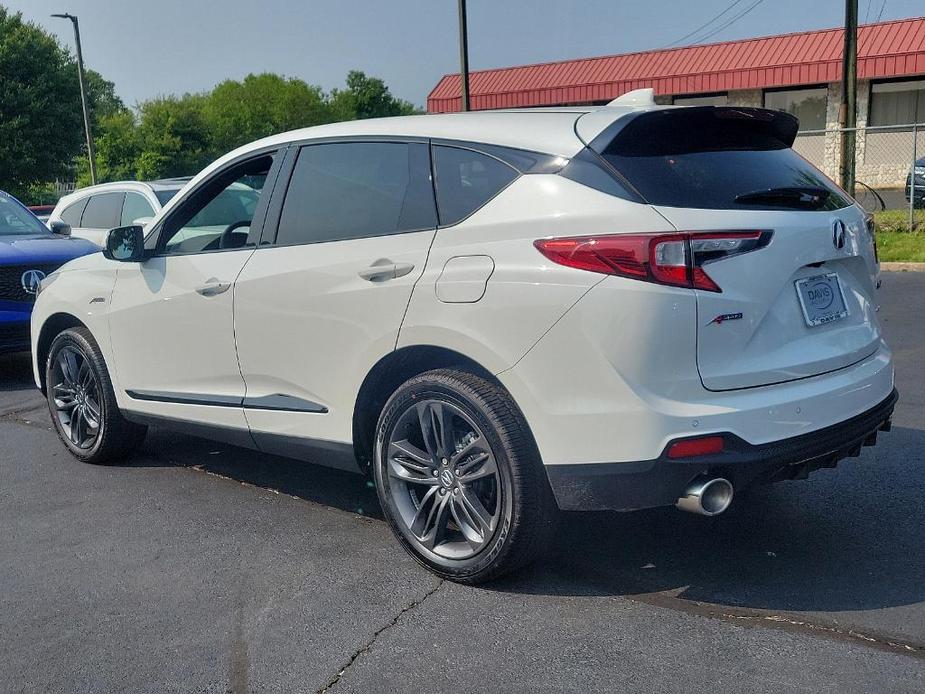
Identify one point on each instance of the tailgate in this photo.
(763, 328)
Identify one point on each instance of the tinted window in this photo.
(15, 219)
(218, 215)
(466, 180)
(71, 214)
(164, 196)
(355, 190)
(103, 211)
(135, 207)
(709, 157)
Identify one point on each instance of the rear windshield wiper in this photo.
(801, 197)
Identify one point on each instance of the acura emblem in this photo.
(30, 280)
(838, 234)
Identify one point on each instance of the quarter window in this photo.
(72, 213)
(466, 180)
(356, 190)
(103, 211)
(135, 207)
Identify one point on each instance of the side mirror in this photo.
(60, 228)
(125, 244)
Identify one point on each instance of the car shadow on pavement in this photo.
(328, 487)
(846, 539)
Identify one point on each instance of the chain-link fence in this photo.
(889, 167)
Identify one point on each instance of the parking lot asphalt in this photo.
(200, 567)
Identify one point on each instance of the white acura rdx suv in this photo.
(492, 314)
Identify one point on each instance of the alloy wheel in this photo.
(76, 396)
(444, 480)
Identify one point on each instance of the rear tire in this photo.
(83, 404)
(459, 477)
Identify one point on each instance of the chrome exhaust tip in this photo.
(708, 496)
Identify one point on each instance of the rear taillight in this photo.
(676, 259)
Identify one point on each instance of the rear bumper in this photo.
(660, 482)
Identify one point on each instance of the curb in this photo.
(902, 267)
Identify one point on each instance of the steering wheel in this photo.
(225, 240)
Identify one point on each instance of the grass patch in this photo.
(900, 246)
(897, 220)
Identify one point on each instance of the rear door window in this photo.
(466, 180)
(104, 211)
(136, 206)
(719, 158)
(351, 190)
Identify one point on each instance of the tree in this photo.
(173, 137)
(367, 97)
(240, 112)
(41, 126)
(177, 136)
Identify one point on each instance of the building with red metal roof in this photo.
(798, 72)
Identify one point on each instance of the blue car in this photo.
(28, 252)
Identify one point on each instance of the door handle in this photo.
(385, 269)
(213, 287)
(402, 269)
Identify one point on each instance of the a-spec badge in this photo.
(723, 317)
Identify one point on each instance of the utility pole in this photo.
(463, 55)
(83, 95)
(847, 115)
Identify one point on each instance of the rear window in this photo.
(165, 195)
(719, 158)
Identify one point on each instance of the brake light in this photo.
(675, 259)
(691, 448)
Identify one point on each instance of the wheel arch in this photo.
(54, 325)
(390, 372)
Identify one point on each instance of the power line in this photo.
(732, 21)
(880, 13)
(704, 25)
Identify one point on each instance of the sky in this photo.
(157, 47)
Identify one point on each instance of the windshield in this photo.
(16, 220)
(719, 159)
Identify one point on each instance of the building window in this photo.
(701, 100)
(806, 104)
(897, 103)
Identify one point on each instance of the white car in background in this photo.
(92, 211)
(492, 314)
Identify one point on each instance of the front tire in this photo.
(459, 477)
(82, 402)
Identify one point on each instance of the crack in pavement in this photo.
(662, 599)
(369, 644)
